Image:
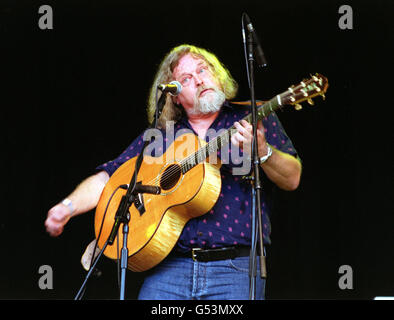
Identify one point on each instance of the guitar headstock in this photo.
(307, 89)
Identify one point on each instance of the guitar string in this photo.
(206, 150)
(168, 174)
(200, 155)
(178, 167)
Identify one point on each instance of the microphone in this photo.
(174, 88)
(260, 58)
(140, 188)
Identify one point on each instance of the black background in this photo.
(75, 96)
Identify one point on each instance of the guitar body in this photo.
(155, 229)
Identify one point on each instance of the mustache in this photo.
(213, 104)
(200, 90)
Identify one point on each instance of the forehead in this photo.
(187, 64)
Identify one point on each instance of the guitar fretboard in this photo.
(224, 138)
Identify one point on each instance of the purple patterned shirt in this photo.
(229, 221)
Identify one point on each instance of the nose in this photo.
(199, 81)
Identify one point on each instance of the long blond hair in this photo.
(164, 75)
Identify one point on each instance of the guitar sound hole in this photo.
(170, 177)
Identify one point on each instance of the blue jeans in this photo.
(179, 278)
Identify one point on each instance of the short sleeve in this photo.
(131, 151)
(276, 135)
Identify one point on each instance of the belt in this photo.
(202, 255)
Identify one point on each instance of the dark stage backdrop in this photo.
(74, 97)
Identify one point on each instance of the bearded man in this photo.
(211, 257)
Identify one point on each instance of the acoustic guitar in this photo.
(190, 186)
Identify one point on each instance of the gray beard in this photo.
(209, 103)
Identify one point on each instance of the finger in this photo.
(240, 128)
(234, 141)
(241, 138)
(54, 230)
(244, 133)
(246, 125)
(238, 140)
(55, 221)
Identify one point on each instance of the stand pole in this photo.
(256, 182)
(124, 259)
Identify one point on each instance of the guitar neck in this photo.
(306, 90)
(224, 138)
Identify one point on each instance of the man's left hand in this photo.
(244, 137)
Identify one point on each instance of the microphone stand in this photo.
(122, 215)
(256, 182)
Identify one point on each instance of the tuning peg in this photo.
(323, 96)
(310, 101)
(297, 106)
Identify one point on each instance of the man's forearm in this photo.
(86, 195)
(283, 169)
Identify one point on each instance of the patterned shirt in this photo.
(229, 221)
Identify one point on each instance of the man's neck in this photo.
(201, 123)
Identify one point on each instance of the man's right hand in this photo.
(84, 198)
(57, 218)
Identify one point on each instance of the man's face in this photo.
(201, 92)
